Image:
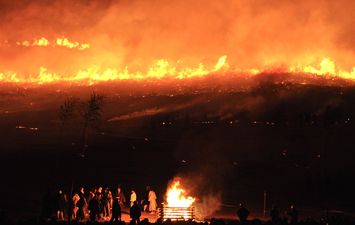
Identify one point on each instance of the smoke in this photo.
(146, 112)
(208, 205)
(136, 33)
(204, 171)
(157, 110)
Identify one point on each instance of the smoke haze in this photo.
(137, 33)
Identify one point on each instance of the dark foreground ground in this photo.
(294, 142)
(334, 221)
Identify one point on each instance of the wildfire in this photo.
(326, 67)
(161, 69)
(58, 42)
(86, 43)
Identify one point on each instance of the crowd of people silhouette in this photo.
(96, 205)
(101, 205)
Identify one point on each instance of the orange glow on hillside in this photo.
(87, 42)
(162, 69)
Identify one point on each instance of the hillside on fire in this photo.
(177, 112)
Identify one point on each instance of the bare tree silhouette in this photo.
(91, 114)
(67, 109)
(67, 112)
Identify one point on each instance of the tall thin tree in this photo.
(91, 114)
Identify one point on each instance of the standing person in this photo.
(61, 202)
(152, 199)
(94, 207)
(82, 205)
(73, 207)
(104, 210)
(133, 197)
(293, 213)
(135, 213)
(99, 196)
(121, 198)
(116, 210)
(242, 213)
(107, 203)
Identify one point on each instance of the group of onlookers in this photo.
(97, 205)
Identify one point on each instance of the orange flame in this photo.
(58, 42)
(161, 69)
(176, 198)
(179, 207)
(132, 40)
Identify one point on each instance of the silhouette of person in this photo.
(135, 212)
(94, 207)
(242, 213)
(275, 214)
(73, 207)
(61, 201)
(107, 203)
(82, 204)
(121, 198)
(116, 210)
(293, 213)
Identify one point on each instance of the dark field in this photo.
(229, 145)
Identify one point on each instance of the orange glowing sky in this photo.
(54, 40)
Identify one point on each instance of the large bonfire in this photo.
(178, 206)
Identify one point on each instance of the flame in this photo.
(69, 44)
(175, 196)
(58, 42)
(74, 41)
(326, 67)
(161, 69)
(41, 42)
(178, 207)
(222, 62)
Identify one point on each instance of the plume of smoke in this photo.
(208, 205)
(206, 174)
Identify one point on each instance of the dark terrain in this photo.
(296, 141)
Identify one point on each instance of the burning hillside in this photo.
(85, 43)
